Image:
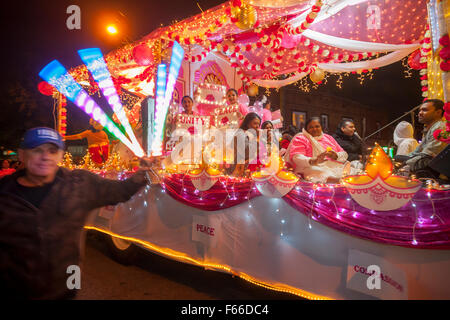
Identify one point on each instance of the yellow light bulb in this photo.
(112, 29)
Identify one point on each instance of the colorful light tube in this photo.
(174, 69)
(163, 107)
(55, 74)
(94, 61)
(158, 129)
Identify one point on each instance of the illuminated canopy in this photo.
(291, 38)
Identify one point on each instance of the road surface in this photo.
(153, 277)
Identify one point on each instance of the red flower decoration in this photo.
(224, 120)
(414, 61)
(447, 107)
(444, 41)
(210, 97)
(444, 53)
(191, 130)
(445, 66)
(436, 133)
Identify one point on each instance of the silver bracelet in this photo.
(147, 177)
(149, 180)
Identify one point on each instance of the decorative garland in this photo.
(312, 15)
(444, 54)
(270, 39)
(424, 52)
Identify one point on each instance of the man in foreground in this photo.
(43, 210)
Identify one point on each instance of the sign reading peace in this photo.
(227, 116)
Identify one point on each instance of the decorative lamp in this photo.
(378, 189)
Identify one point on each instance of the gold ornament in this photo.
(67, 161)
(317, 76)
(166, 54)
(86, 162)
(252, 90)
(156, 49)
(235, 11)
(247, 17)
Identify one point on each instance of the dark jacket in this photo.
(351, 144)
(38, 244)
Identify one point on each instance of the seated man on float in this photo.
(430, 115)
(316, 155)
(349, 141)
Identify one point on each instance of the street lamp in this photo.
(111, 29)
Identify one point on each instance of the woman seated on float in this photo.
(316, 155)
(404, 138)
(188, 106)
(268, 140)
(245, 137)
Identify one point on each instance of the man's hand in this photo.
(150, 165)
(145, 163)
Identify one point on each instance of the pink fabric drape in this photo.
(418, 227)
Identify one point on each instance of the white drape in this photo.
(341, 67)
(354, 45)
(279, 83)
(368, 64)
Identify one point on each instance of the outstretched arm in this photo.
(78, 136)
(102, 192)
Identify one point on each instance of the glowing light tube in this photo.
(55, 74)
(174, 68)
(94, 61)
(158, 129)
(163, 108)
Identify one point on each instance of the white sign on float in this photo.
(374, 276)
(206, 230)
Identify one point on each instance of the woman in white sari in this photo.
(316, 155)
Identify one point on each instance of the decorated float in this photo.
(374, 235)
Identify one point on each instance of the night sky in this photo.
(35, 33)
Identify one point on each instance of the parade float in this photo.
(374, 235)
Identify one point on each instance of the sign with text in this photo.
(192, 123)
(375, 276)
(227, 117)
(210, 93)
(205, 230)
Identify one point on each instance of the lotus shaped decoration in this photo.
(273, 181)
(378, 189)
(203, 179)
